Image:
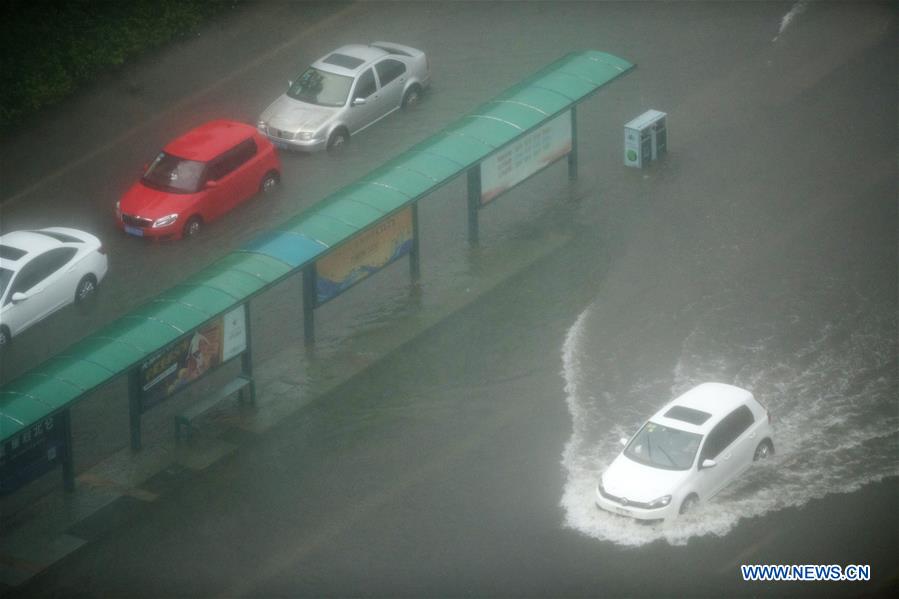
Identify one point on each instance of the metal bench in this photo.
(185, 418)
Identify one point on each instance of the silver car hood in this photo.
(288, 114)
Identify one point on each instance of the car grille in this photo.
(136, 221)
(623, 501)
(280, 133)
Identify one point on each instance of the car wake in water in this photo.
(824, 362)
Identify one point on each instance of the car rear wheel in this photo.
(86, 288)
(689, 504)
(412, 97)
(764, 450)
(192, 226)
(338, 141)
(5, 337)
(269, 182)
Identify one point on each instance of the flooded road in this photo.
(761, 252)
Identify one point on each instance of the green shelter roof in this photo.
(124, 343)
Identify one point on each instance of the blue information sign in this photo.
(32, 453)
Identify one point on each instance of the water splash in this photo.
(830, 381)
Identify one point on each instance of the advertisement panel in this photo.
(190, 358)
(364, 255)
(31, 453)
(521, 159)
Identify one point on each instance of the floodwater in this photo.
(761, 252)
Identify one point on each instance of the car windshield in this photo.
(663, 447)
(173, 174)
(321, 88)
(5, 276)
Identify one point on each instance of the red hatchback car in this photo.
(197, 178)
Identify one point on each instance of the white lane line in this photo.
(753, 550)
(177, 106)
(795, 11)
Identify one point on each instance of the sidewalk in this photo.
(57, 524)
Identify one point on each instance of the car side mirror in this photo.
(18, 296)
(707, 463)
(623, 441)
(358, 101)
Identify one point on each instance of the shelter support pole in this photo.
(68, 462)
(474, 204)
(134, 407)
(246, 360)
(572, 155)
(309, 285)
(414, 257)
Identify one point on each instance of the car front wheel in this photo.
(192, 226)
(338, 141)
(86, 288)
(764, 450)
(689, 504)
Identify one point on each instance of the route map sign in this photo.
(525, 157)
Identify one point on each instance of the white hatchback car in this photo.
(343, 93)
(41, 271)
(686, 453)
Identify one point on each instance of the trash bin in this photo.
(645, 138)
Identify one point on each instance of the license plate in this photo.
(134, 231)
(281, 145)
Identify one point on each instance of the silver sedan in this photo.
(343, 93)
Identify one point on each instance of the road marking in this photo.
(797, 8)
(99, 482)
(179, 105)
(22, 565)
(753, 549)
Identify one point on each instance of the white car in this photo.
(343, 93)
(686, 453)
(44, 270)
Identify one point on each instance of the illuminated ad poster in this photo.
(187, 360)
(524, 157)
(364, 255)
(31, 453)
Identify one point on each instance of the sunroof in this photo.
(687, 415)
(342, 60)
(10, 253)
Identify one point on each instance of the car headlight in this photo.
(660, 502)
(165, 221)
(305, 135)
(262, 126)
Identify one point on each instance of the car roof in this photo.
(715, 399)
(365, 54)
(210, 139)
(30, 242)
